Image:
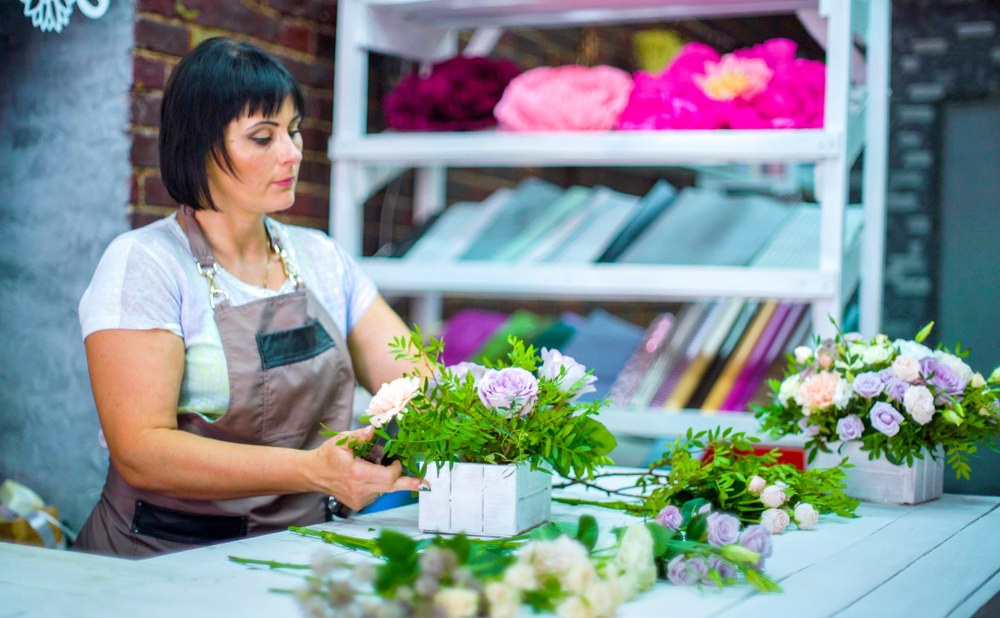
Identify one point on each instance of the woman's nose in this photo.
(290, 153)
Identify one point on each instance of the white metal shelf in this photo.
(563, 13)
(623, 148)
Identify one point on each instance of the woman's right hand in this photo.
(352, 480)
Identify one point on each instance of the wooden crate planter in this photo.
(485, 500)
(879, 480)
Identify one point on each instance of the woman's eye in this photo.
(263, 141)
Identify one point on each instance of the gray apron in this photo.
(289, 372)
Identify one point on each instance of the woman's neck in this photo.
(236, 236)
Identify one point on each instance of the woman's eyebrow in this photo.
(267, 122)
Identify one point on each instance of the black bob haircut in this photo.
(216, 83)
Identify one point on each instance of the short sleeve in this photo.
(360, 291)
(132, 290)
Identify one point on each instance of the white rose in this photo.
(805, 515)
(772, 496)
(857, 348)
(774, 520)
(842, 394)
(553, 557)
(601, 599)
(877, 354)
(756, 485)
(520, 576)
(963, 370)
(579, 577)
(552, 364)
(610, 573)
(789, 388)
(391, 400)
(803, 354)
(906, 368)
(919, 402)
(457, 602)
(977, 380)
(880, 338)
(911, 348)
(574, 607)
(505, 602)
(635, 556)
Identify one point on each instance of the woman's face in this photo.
(265, 153)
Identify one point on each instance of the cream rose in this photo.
(457, 602)
(877, 354)
(977, 381)
(505, 602)
(635, 556)
(906, 368)
(601, 599)
(520, 576)
(575, 607)
(774, 520)
(842, 394)
(391, 400)
(805, 515)
(579, 577)
(772, 496)
(803, 354)
(789, 388)
(756, 485)
(919, 402)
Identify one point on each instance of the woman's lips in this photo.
(286, 182)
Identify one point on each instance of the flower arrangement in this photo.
(710, 498)
(575, 570)
(524, 411)
(762, 87)
(899, 399)
(567, 98)
(458, 95)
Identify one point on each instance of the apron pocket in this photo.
(188, 528)
(291, 346)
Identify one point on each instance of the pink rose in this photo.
(391, 400)
(775, 520)
(818, 390)
(670, 517)
(566, 98)
(772, 496)
(906, 368)
(756, 485)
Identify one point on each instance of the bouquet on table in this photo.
(899, 399)
(519, 412)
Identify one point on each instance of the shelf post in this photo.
(832, 173)
(876, 163)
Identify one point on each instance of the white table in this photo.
(941, 558)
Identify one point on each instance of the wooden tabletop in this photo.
(941, 558)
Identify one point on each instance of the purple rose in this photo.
(944, 377)
(809, 430)
(850, 427)
(896, 389)
(887, 375)
(868, 385)
(705, 508)
(511, 389)
(722, 529)
(670, 517)
(726, 570)
(757, 538)
(885, 418)
(677, 572)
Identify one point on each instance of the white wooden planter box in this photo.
(485, 500)
(878, 480)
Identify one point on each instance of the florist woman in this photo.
(220, 342)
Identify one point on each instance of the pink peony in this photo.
(391, 400)
(763, 87)
(567, 98)
(818, 390)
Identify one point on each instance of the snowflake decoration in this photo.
(53, 15)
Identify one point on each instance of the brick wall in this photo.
(300, 33)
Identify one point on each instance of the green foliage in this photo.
(447, 422)
(958, 424)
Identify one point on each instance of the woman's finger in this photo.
(357, 436)
(409, 483)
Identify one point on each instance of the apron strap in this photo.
(199, 246)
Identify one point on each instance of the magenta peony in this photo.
(458, 95)
(762, 87)
(567, 98)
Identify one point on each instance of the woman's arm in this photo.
(369, 340)
(136, 378)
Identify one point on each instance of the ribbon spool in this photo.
(16, 500)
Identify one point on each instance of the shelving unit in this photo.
(856, 119)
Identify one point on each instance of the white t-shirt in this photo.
(148, 279)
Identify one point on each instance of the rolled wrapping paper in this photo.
(20, 501)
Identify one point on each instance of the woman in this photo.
(216, 337)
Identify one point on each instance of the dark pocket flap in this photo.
(291, 346)
(188, 528)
